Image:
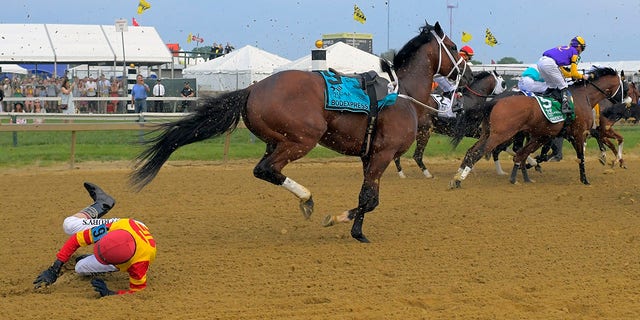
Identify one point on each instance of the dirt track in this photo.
(233, 247)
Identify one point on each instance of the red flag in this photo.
(134, 22)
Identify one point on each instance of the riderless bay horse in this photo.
(609, 115)
(287, 111)
(503, 118)
(484, 85)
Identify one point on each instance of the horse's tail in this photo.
(214, 117)
(471, 118)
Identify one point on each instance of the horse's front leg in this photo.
(579, 145)
(522, 156)
(401, 174)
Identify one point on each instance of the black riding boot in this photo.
(102, 201)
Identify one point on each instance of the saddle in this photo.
(369, 79)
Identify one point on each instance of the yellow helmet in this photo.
(578, 42)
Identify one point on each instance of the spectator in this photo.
(29, 92)
(1, 99)
(18, 107)
(52, 91)
(139, 94)
(228, 48)
(8, 92)
(38, 107)
(104, 85)
(158, 91)
(92, 91)
(67, 105)
(79, 90)
(114, 91)
(186, 92)
(215, 51)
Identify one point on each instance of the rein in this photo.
(477, 94)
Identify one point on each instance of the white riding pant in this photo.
(528, 84)
(551, 74)
(90, 264)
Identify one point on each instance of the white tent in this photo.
(68, 43)
(235, 70)
(12, 68)
(341, 57)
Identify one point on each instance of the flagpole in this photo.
(388, 33)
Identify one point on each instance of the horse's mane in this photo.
(598, 72)
(481, 75)
(410, 48)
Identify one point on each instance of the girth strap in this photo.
(368, 86)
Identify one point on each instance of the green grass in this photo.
(47, 148)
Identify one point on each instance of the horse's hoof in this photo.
(307, 207)
(513, 181)
(454, 184)
(328, 221)
(501, 173)
(427, 174)
(538, 168)
(401, 174)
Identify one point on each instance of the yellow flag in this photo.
(189, 37)
(466, 37)
(358, 15)
(490, 39)
(143, 6)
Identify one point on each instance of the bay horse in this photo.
(484, 85)
(609, 115)
(503, 118)
(287, 111)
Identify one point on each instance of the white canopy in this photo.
(235, 70)
(12, 68)
(67, 43)
(341, 57)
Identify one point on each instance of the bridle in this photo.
(615, 93)
(456, 67)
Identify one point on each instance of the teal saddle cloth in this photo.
(348, 93)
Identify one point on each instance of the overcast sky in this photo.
(524, 29)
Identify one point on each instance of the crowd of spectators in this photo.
(48, 87)
(217, 50)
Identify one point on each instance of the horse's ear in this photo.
(438, 29)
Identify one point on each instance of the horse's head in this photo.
(440, 56)
(608, 82)
(500, 85)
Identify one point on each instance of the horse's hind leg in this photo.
(472, 156)
(270, 166)
(369, 196)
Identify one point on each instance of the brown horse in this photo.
(503, 118)
(484, 85)
(287, 111)
(609, 115)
